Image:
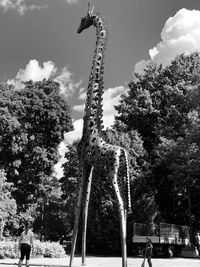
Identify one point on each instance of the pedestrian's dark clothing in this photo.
(197, 241)
(25, 251)
(149, 252)
(25, 244)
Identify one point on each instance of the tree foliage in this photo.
(159, 101)
(32, 125)
(33, 121)
(163, 106)
(8, 205)
(7, 202)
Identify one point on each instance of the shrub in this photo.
(48, 249)
(9, 249)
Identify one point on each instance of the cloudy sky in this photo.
(39, 40)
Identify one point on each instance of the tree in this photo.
(175, 176)
(7, 203)
(33, 122)
(159, 101)
(70, 185)
(163, 106)
(50, 213)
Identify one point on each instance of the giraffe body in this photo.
(93, 151)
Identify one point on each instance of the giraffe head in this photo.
(86, 21)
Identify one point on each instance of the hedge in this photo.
(9, 249)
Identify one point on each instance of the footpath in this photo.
(105, 262)
(47, 262)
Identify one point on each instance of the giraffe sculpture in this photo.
(93, 151)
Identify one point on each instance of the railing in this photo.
(167, 233)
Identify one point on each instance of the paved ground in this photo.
(109, 262)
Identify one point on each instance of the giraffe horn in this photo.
(92, 10)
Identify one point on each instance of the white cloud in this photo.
(141, 65)
(19, 5)
(33, 71)
(111, 98)
(76, 133)
(82, 93)
(69, 138)
(58, 169)
(181, 34)
(67, 85)
(82, 96)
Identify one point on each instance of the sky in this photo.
(39, 40)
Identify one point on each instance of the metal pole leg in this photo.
(86, 198)
(76, 222)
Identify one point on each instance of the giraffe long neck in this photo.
(93, 107)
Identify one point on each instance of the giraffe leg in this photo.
(86, 197)
(122, 216)
(76, 222)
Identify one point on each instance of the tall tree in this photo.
(7, 203)
(163, 106)
(159, 101)
(33, 122)
(70, 184)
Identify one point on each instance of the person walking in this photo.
(197, 241)
(149, 251)
(25, 244)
